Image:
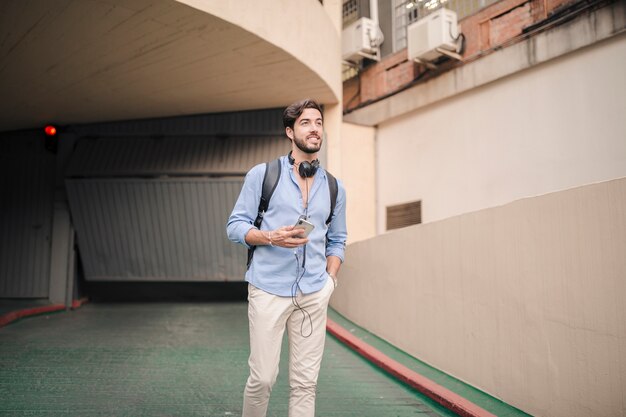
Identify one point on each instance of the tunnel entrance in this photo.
(149, 201)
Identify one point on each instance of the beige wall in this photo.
(555, 126)
(304, 28)
(333, 10)
(354, 163)
(123, 60)
(524, 301)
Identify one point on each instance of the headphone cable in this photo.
(294, 298)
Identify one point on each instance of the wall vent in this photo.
(403, 215)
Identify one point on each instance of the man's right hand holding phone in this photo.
(287, 237)
(284, 237)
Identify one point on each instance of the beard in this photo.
(306, 147)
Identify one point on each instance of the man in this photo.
(291, 276)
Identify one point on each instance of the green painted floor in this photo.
(170, 359)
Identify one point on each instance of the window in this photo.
(403, 215)
(464, 8)
(350, 11)
(405, 12)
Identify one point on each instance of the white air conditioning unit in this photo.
(361, 39)
(433, 36)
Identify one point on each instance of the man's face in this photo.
(307, 131)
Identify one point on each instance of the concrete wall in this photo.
(288, 25)
(524, 301)
(128, 60)
(26, 215)
(357, 171)
(555, 126)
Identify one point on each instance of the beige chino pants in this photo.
(268, 316)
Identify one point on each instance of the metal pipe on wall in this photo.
(374, 11)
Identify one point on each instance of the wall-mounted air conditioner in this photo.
(433, 36)
(361, 39)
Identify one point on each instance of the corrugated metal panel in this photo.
(128, 156)
(161, 229)
(145, 200)
(26, 208)
(267, 122)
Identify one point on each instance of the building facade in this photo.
(510, 163)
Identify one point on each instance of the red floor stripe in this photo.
(27, 312)
(78, 303)
(432, 390)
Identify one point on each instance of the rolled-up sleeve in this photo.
(337, 230)
(244, 213)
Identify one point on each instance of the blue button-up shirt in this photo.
(275, 269)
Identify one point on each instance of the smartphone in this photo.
(305, 226)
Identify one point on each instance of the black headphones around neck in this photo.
(306, 169)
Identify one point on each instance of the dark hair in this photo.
(294, 111)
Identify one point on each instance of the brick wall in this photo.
(509, 25)
(390, 74)
(490, 27)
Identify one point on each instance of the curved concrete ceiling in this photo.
(80, 61)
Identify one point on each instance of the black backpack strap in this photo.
(333, 188)
(270, 181)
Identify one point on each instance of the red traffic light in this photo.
(50, 130)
